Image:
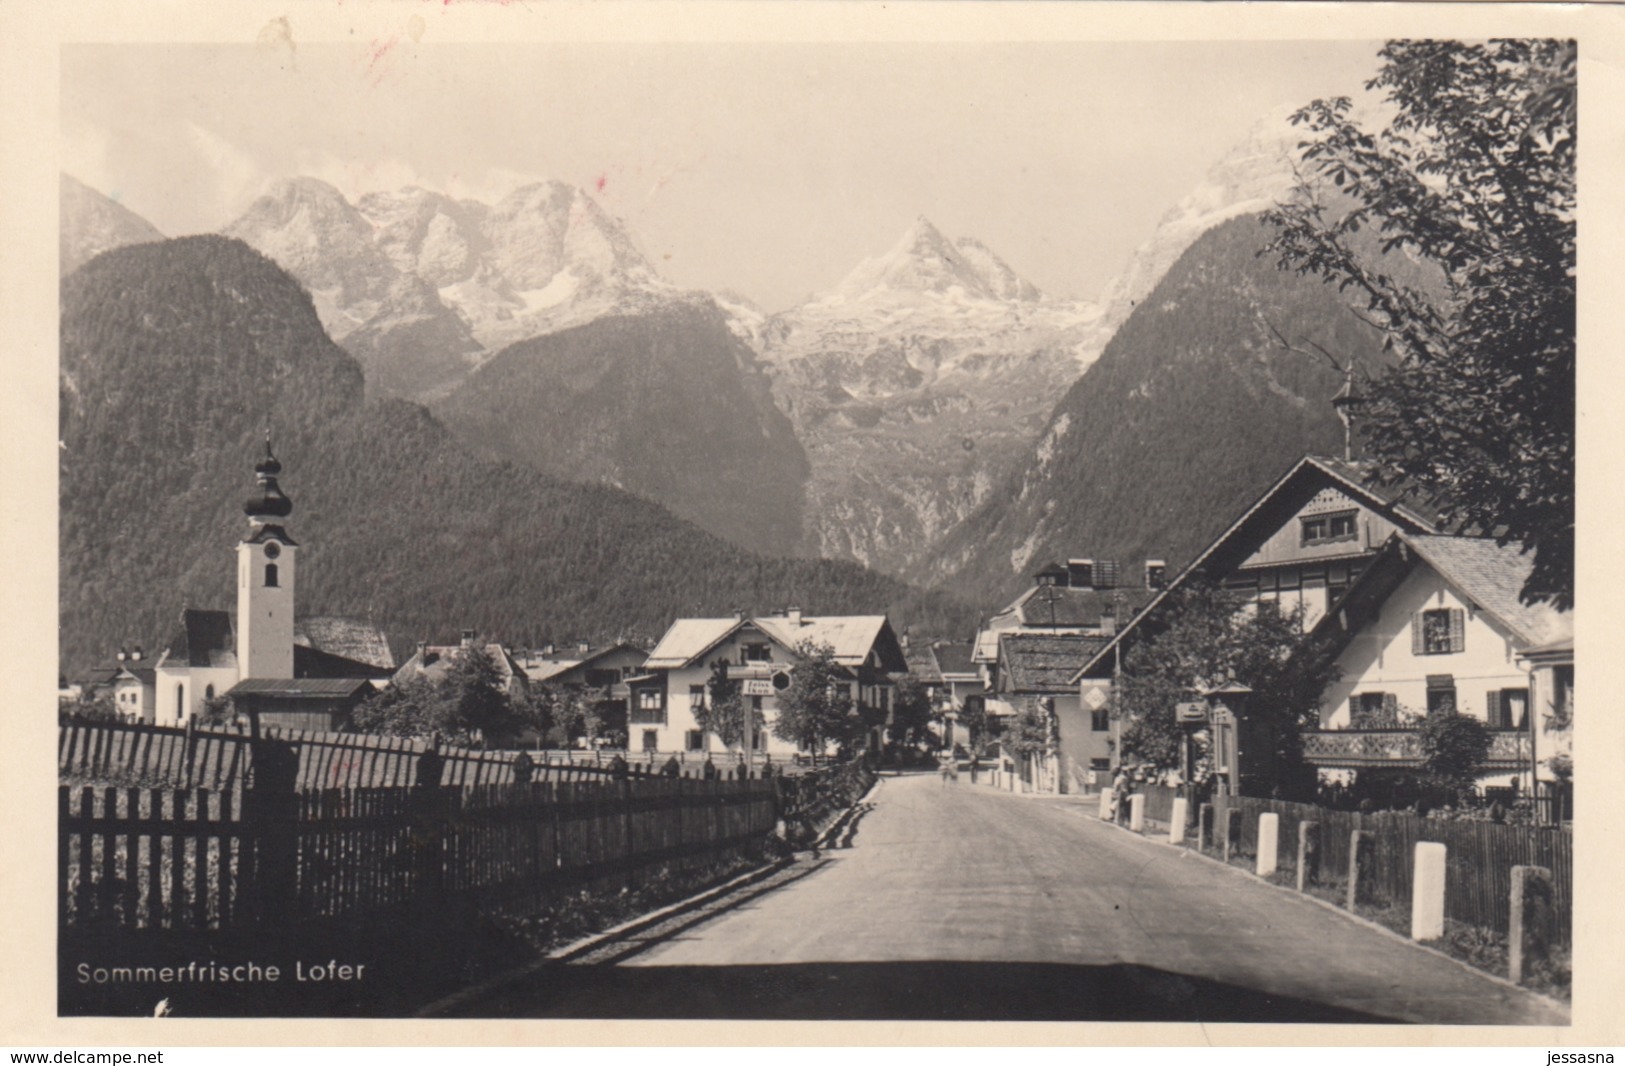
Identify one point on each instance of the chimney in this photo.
(1080, 573)
(793, 614)
(468, 638)
(1108, 620)
(583, 647)
(903, 639)
(423, 650)
(139, 654)
(547, 650)
(739, 614)
(121, 655)
(1156, 573)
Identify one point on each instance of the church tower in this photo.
(266, 568)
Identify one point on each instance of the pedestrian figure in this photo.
(943, 764)
(670, 767)
(523, 769)
(710, 770)
(975, 767)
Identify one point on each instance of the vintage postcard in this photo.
(1056, 516)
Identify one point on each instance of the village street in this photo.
(960, 902)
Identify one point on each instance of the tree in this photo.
(91, 706)
(1454, 747)
(814, 711)
(1475, 175)
(1033, 731)
(468, 705)
(724, 709)
(1210, 637)
(911, 712)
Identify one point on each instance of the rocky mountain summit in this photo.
(912, 384)
(422, 288)
(92, 224)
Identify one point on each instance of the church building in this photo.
(283, 673)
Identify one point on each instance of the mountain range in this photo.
(178, 356)
(932, 414)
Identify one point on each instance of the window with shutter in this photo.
(1439, 632)
(1494, 711)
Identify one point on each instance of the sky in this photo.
(766, 169)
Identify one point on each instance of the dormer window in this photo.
(755, 653)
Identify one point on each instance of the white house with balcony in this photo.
(1434, 623)
(761, 654)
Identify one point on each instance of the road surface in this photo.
(959, 902)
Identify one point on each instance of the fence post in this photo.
(1529, 934)
(1269, 833)
(1228, 831)
(1427, 891)
(1176, 823)
(1308, 854)
(1362, 851)
(1204, 827)
(271, 806)
(1136, 812)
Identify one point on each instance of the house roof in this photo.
(851, 637)
(688, 639)
(1493, 575)
(353, 638)
(1069, 607)
(432, 661)
(546, 669)
(581, 667)
(145, 674)
(922, 663)
(954, 659)
(1406, 507)
(1482, 572)
(204, 638)
(300, 688)
(1043, 662)
(315, 663)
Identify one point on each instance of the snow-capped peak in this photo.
(924, 261)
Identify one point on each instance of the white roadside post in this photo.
(1427, 891)
(1269, 831)
(1136, 812)
(1176, 826)
(1106, 805)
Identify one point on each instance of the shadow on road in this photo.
(902, 991)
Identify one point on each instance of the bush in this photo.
(1454, 747)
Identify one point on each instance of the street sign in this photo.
(1095, 697)
(1190, 713)
(762, 687)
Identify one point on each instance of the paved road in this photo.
(962, 902)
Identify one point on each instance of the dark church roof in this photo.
(205, 638)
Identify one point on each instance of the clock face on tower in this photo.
(272, 550)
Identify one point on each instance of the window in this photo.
(756, 653)
(651, 740)
(650, 699)
(270, 575)
(1328, 528)
(208, 693)
(1442, 694)
(694, 740)
(1100, 721)
(1373, 710)
(180, 704)
(1507, 708)
(696, 697)
(1439, 632)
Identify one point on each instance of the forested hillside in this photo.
(667, 403)
(178, 357)
(1193, 409)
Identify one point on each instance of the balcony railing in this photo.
(1401, 749)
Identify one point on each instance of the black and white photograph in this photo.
(902, 526)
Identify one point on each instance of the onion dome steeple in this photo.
(269, 502)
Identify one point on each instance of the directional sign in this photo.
(762, 687)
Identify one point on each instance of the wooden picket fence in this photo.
(1480, 856)
(167, 756)
(200, 859)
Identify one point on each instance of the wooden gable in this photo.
(1330, 524)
